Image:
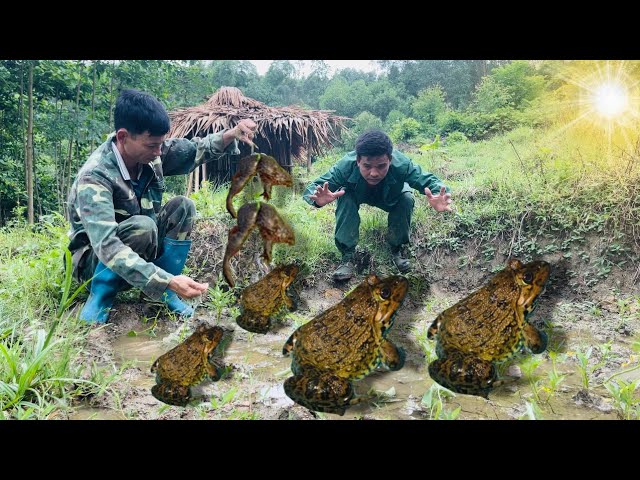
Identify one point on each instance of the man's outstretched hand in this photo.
(186, 287)
(244, 131)
(324, 196)
(440, 202)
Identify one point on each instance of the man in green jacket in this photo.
(120, 234)
(375, 174)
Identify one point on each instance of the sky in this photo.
(366, 65)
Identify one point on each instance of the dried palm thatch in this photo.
(287, 133)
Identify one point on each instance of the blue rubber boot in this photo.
(172, 260)
(104, 287)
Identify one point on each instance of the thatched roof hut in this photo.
(286, 133)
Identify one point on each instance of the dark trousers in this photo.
(348, 219)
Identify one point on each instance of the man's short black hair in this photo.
(139, 112)
(373, 143)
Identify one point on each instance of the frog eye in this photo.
(385, 292)
(528, 278)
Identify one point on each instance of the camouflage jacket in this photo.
(402, 172)
(100, 198)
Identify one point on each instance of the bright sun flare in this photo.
(610, 99)
(602, 97)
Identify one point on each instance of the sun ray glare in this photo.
(567, 126)
(600, 99)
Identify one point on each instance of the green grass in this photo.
(40, 342)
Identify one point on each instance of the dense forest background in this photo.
(54, 113)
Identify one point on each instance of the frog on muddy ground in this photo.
(187, 364)
(488, 327)
(345, 343)
(261, 301)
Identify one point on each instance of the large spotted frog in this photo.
(267, 168)
(488, 326)
(345, 343)
(263, 299)
(186, 365)
(273, 229)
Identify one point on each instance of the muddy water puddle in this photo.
(140, 350)
(93, 413)
(531, 390)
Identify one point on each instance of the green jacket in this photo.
(100, 198)
(345, 173)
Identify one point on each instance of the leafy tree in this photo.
(405, 130)
(430, 105)
(458, 78)
(315, 84)
(384, 97)
(363, 122)
(232, 73)
(491, 95)
(352, 99)
(351, 75)
(280, 81)
(393, 117)
(520, 80)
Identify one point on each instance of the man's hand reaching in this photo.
(324, 196)
(187, 287)
(440, 202)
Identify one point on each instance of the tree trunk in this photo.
(93, 100)
(29, 152)
(111, 99)
(67, 170)
(189, 184)
(21, 115)
(74, 134)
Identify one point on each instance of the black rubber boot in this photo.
(402, 264)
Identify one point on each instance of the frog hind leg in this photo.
(321, 392)
(289, 344)
(391, 356)
(536, 340)
(291, 300)
(433, 329)
(172, 393)
(464, 373)
(254, 323)
(215, 368)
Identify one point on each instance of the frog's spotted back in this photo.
(488, 326)
(345, 343)
(186, 365)
(260, 301)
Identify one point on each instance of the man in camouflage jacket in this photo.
(120, 234)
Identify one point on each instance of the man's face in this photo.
(374, 169)
(142, 148)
